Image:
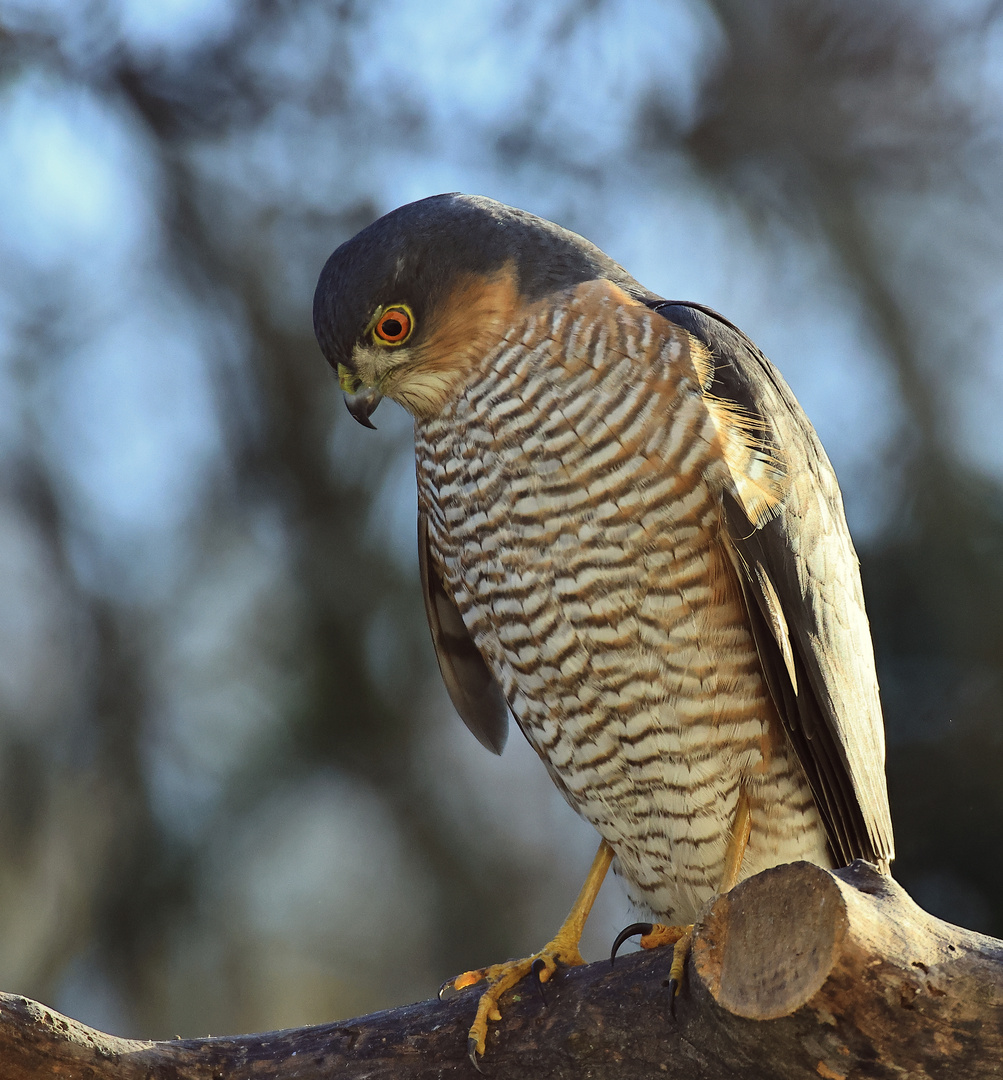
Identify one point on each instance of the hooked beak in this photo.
(361, 400)
(363, 404)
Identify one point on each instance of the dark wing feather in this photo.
(801, 584)
(472, 688)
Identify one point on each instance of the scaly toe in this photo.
(680, 950)
(660, 935)
(461, 982)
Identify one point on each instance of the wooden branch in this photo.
(795, 973)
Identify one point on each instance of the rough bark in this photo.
(796, 973)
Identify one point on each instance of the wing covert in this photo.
(799, 576)
(472, 688)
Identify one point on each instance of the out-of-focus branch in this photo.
(796, 973)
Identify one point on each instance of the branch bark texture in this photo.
(796, 973)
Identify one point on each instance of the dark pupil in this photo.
(392, 328)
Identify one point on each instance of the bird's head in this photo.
(404, 308)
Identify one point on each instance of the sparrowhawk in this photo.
(631, 539)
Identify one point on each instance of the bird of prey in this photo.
(631, 539)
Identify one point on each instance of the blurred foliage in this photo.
(233, 793)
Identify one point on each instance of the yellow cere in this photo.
(348, 380)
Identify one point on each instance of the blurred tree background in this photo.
(233, 794)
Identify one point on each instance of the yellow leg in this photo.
(563, 948)
(655, 935)
(737, 843)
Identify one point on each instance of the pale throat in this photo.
(410, 377)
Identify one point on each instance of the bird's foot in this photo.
(654, 936)
(502, 977)
(563, 949)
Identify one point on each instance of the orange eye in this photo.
(394, 326)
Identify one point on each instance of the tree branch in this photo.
(795, 973)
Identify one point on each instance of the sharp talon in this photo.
(447, 985)
(633, 930)
(538, 966)
(472, 1054)
(673, 985)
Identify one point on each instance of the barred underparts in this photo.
(573, 488)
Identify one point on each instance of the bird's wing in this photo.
(475, 694)
(801, 586)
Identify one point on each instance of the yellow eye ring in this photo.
(393, 325)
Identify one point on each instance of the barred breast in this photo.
(573, 492)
